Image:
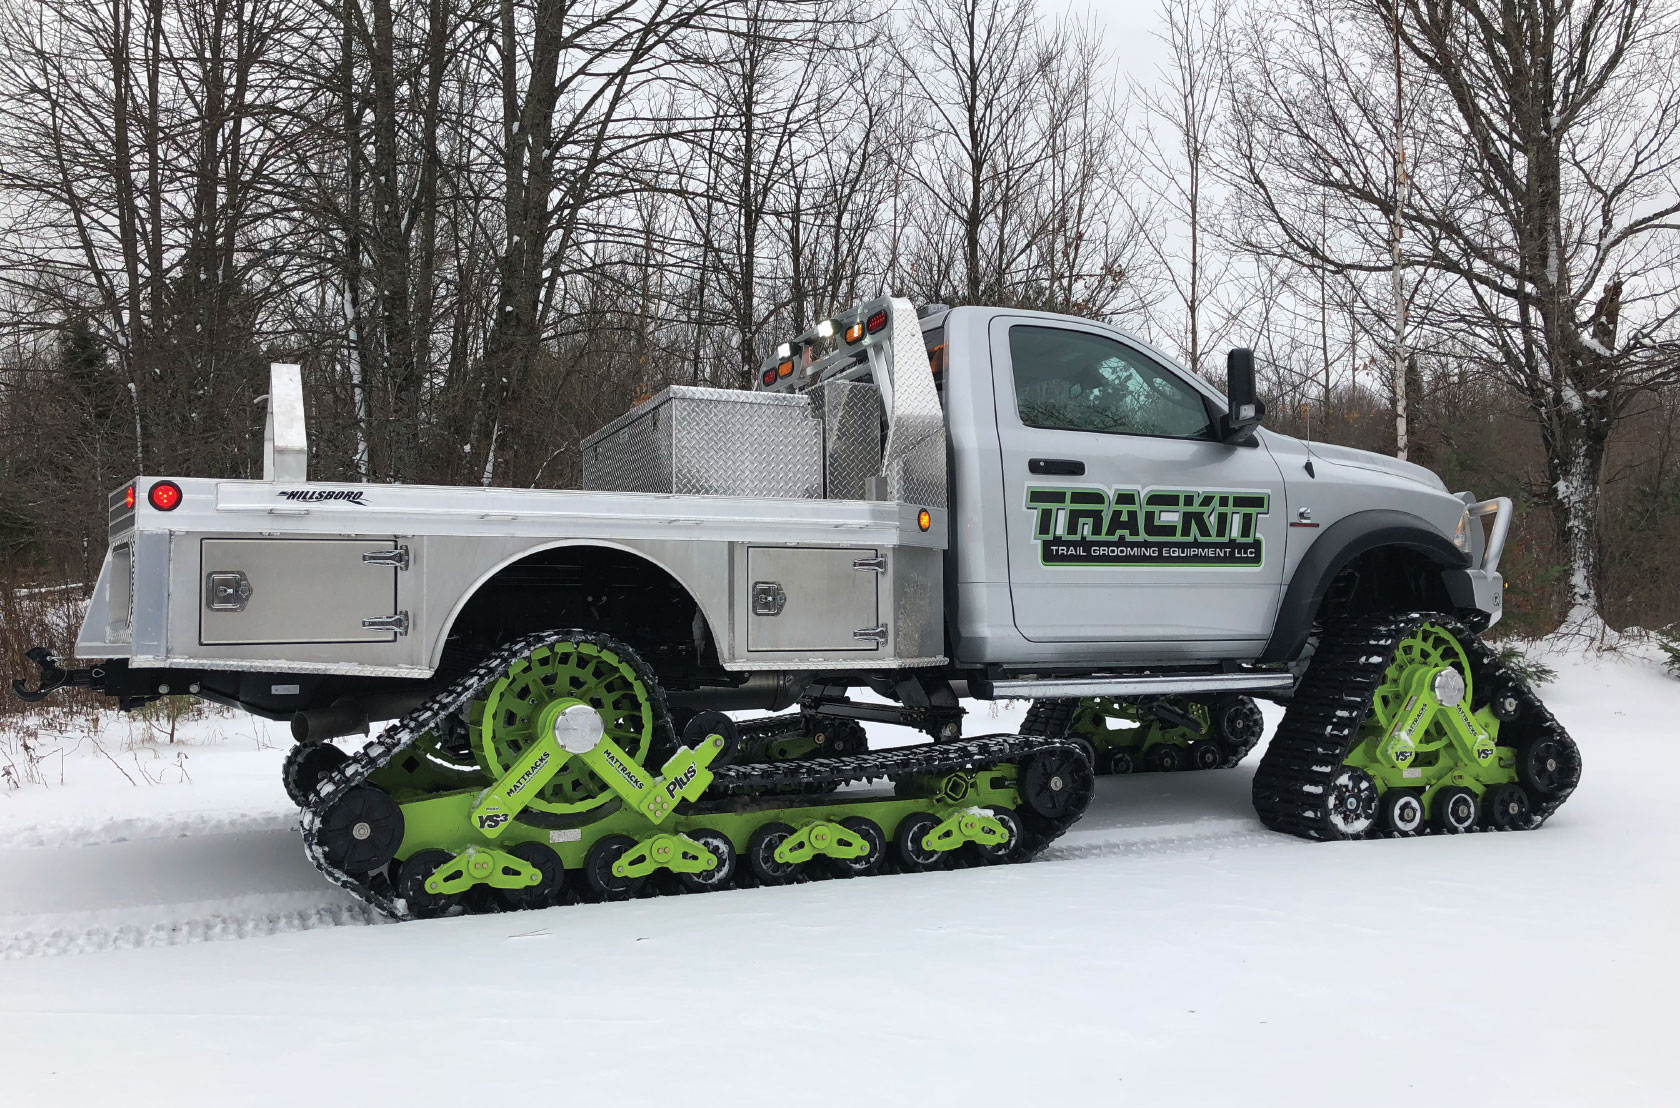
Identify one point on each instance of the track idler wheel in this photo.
(1350, 804)
(1548, 765)
(703, 725)
(544, 894)
(1402, 812)
(724, 850)
(306, 764)
(597, 869)
(761, 856)
(1455, 811)
(908, 845)
(870, 832)
(361, 830)
(1507, 809)
(411, 884)
(1056, 782)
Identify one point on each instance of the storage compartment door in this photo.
(814, 600)
(261, 591)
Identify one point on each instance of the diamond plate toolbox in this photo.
(710, 442)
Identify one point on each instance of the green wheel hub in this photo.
(1423, 735)
(515, 710)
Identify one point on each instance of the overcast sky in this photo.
(1129, 28)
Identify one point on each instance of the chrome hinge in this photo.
(396, 557)
(871, 634)
(879, 565)
(397, 623)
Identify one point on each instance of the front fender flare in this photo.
(1330, 553)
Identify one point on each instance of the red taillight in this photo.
(770, 376)
(128, 497)
(877, 321)
(165, 496)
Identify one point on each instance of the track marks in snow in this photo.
(181, 923)
(106, 832)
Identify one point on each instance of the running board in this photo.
(1033, 688)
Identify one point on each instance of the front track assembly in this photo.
(1410, 724)
(558, 797)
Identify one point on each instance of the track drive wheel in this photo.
(597, 869)
(306, 764)
(912, 855)
(724, 850)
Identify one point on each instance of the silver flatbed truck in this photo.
(973, 501)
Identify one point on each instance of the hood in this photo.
(1377, 463)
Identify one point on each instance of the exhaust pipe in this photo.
(349, 716)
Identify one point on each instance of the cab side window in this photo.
(1077, 381)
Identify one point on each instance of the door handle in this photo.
(1056, 467)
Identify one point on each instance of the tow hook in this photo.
(54, 677)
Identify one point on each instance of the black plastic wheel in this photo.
(1548, 765)
(721, 877)
(870, 832)
(1505, 704)
(597, 869)
(703, 725)
(1401, 812)
(1239, 723)
(908, 847)
(361, 830)
(1004, 852)
(1507, 809)
(411, 884)
(306, 764)
(836, 737)
(1350, 804)
(1053, 781)
(1166, 758)
(1455, 811)
(546, 894)
(1120, 760)
(1206, 754)
(761, 856)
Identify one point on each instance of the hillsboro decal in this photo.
(1086, 526)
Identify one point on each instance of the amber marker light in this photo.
(924, 519)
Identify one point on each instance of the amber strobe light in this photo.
(128, 496)
(854, 332)
(924, 519)
(165, 496)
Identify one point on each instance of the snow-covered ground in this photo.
(1166, 951)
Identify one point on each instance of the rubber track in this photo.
(1053, 717)
(813, 775)
(1335, 697)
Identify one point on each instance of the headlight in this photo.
(1462, 539)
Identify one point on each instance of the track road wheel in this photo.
(724, 850)
(1401, 812)
(1120, 760)
(361, 830)
(306, 764)
(1350, 804)
(761, 856)
(1165, 758)
(1548, 765)
(1206, 754)
(1455, 811)
(907, 844)
(411, 884)
(870, 832)
(1507, 809)
(544, 894)
(597, 869)
(1006, 851)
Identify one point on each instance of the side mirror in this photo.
(1246, 409)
